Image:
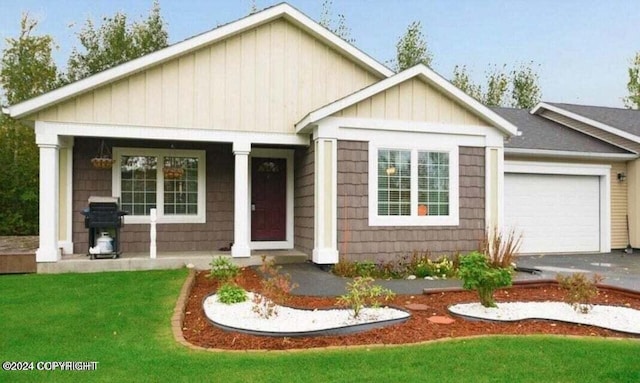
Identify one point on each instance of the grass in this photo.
(122, 320)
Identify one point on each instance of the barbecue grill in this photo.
(103, 215)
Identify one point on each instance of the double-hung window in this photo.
(170, 181)
(413, 186)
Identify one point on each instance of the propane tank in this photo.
(105, 243)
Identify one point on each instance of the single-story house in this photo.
(287, 137)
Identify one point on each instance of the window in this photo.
(413, 187)
(171, 181)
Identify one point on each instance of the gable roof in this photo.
(621, 122)
(419, 71)
(541, 134)
(623, 119)
(282, 10)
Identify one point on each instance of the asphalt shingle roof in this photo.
(627, 120)
(540, 133)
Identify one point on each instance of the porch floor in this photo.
(80, 263)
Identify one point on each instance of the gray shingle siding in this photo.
(215, 233)
(359, 241)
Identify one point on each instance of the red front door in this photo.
(268, 199)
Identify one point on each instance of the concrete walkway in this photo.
(618, 269)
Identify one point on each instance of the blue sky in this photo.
(581, 49)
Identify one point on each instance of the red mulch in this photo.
(418, 328)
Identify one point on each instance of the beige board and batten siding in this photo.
(619, 206)
(633, 180)
(618, 194)
(412, 100)
(262, 80)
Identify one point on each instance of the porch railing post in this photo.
(153, 218)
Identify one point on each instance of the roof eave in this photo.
(538, 153)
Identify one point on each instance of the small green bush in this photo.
(366, 269)
(362, 292)
(230, 293)
(580, 290)
(223, 270)
(417, 263)
(344, 268)
(478, 274)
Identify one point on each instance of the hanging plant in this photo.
(172, 173)
(103, 160)
(172, 169)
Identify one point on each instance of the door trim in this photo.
(288, 155)
(602, 171)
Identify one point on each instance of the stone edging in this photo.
(179, 312)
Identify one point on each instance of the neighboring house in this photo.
(572, 177)
(290, 138)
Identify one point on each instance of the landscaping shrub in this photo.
(344, 268)
(419, 263)
(223, 270)
(231, 293)
(477, 273)
(580, 290)
(362, 292)
(366, 269)
(276, 287)
(500, 249)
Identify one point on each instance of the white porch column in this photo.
(65, 187)
(494, 188)
(49, 145)
(241, 229)
(325, 249)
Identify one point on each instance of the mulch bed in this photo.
(198, 331)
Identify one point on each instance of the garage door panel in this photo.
(555, 213)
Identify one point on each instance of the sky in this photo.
(581, 49)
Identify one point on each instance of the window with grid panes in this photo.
(142, 184)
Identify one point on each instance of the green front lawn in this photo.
(122, 320)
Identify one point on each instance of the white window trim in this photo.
(202, 178)
(414, 219)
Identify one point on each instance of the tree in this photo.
(463, 82)
(497, 84)
(632, 101)
(525, 92)
(411, 48)
(27, 70)
(114, 43)
(521, 84)
(338, 26)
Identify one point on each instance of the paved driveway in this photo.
(618, 268)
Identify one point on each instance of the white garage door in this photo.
(555, 213)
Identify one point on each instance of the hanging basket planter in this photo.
(172, 173)
(103, 160)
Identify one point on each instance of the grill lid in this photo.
(98, 199)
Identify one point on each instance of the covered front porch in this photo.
(230, 201)
(80, 263)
